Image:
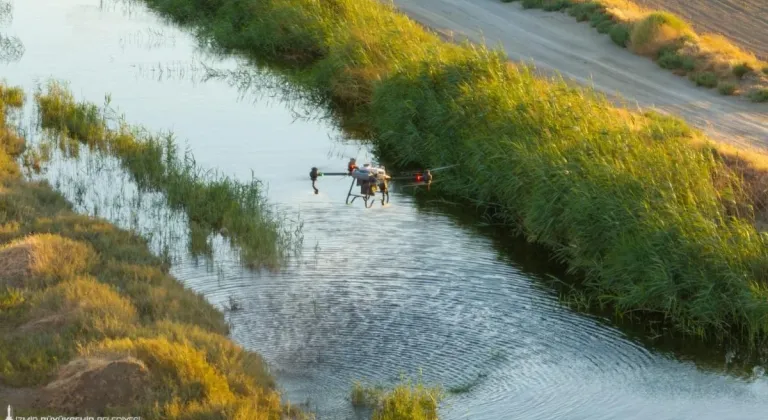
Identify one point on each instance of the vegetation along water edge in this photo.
(656, 218)
(708, 60)
(92, 322)
(213, 203)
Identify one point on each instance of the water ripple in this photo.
(398, 300)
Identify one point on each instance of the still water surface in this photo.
(377, 292)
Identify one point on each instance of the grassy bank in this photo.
(656, 219)
(213, 204)
(709, 60)
(92, 323)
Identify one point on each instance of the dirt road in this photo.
(555, 41)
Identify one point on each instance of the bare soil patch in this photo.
(85, 385)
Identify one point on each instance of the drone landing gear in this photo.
(367, 195)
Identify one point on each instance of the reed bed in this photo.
(709, 60)
(653, 216)
(213, 203)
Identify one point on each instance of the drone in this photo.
(371, 180)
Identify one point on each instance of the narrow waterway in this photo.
(379, 292)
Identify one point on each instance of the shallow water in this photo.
(377, 292)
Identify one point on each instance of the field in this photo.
(744, 22)
(708, 60)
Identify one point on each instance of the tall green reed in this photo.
(218, 204)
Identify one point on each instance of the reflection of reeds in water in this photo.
(6, 12)
(97, 186)
(128, 8)
(149, 38)
(11, 48)
(253, 84)
(176, 70)
(213, 203)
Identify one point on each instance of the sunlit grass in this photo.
(39, 260)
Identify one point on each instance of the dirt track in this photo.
(555, 41)
(745, 22)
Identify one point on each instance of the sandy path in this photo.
(745, 22)
(555, 41)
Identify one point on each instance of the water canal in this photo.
(405, 288)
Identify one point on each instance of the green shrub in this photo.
(599, 17)
(673, 61)
(726, 88)
(740, 70)
(605, 26)
(533, 4)
(672, 48)
(556, 5)
(706, 79)
(759, 95)
(620, 34)
(585, 11)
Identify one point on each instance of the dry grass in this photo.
(42, 259)
(85, 302)
(624, 10)
(720, 47)
(656, 30)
